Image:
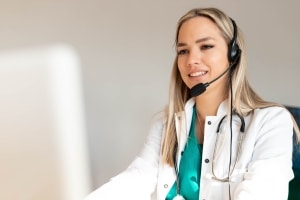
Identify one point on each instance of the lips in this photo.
(199, 73)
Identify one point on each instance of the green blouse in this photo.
(189, 167)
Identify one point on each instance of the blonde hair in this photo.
(245, 100)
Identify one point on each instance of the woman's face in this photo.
(202, 53)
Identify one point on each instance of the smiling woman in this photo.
(219, 143)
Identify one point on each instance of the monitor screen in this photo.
(43, 143)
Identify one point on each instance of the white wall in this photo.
(126, 50)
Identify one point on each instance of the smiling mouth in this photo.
(195, 74)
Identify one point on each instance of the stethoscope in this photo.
(239, 147)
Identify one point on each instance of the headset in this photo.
(233, 54)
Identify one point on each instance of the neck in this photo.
(208, 104)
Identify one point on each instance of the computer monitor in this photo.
(43, 140)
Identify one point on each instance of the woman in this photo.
(217, 139)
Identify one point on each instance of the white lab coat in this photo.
(263, 170)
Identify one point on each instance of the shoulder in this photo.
(158, 120)
(155, 131)
(272, 112)
(273, 116)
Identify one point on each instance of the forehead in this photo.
(198, 27)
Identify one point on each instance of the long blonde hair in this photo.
(244, 99)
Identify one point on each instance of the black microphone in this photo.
(201, 87)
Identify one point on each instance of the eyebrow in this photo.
(197, 41)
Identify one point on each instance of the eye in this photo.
(182, 52)
(206, 46)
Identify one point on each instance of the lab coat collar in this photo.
(222, 110)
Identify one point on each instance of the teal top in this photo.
(189, 167)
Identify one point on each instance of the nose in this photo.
(194, 57)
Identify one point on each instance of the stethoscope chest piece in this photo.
(178, 197)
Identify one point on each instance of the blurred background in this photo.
(81, 80)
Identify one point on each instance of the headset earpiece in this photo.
(234, 51)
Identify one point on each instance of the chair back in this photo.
(294, 192)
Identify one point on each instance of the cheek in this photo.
(183, 74)
(180, 65)
(181, 69)
(180, 73)
(219, 61)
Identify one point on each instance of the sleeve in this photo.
(138, 181)
(270, 170)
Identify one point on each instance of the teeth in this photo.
(198, 73)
